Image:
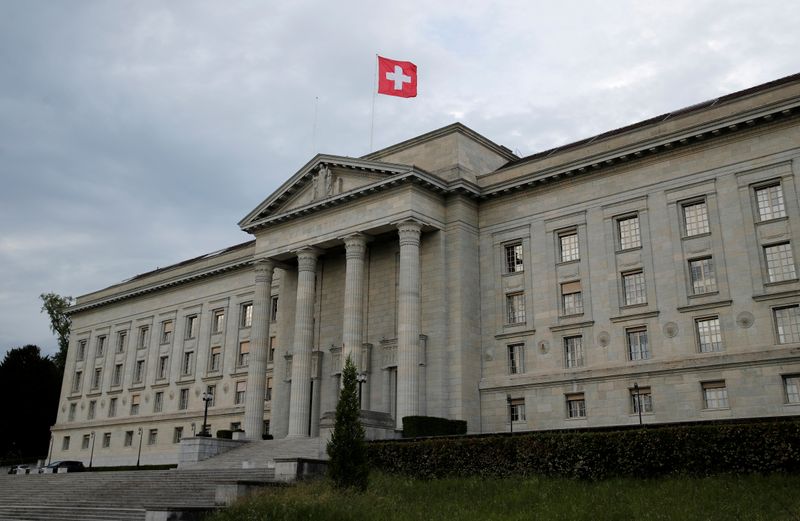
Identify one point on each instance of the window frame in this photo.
(781, 267)
(787, 396)
(240, 395)
(643, 354)
(779, 338)
(769, 213)
(580, 410)
(515, 314)
(243, 354)
(573, 254)
(192, 325)
(625, 276)
(646, 395)
(705, 222)
(218, 321)
(710, 386)
(513, 258)
(516, 358)
(622, 242)
(576, 308)
(246, 314)
(144, 332)
(183, 399)
(516, 410)
(708, 279)
(579, 358)
(699, 336)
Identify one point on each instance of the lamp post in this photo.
(139, 457)
(362, 378)
(638, 400)
(207, 398)
(193, 429)
(91, 454)
(510, 416)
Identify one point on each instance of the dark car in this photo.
(71, 466)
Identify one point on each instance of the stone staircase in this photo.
(111, 496)
(262, 454)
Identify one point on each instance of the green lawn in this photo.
(394, 498)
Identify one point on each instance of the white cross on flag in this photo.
(397, 78)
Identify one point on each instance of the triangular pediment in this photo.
(322, 178)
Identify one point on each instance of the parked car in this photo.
(13, 470)
(71, 466)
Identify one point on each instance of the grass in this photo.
(392, 498)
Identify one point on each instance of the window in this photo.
(235, 426)
(244, 354)
(183, 403)
(112, 407)
(92, 410)
(513, 258)
(143, 331)
(241, 389)
(72, 408)
(158, 402)
(188, 363)
(695, 218)
(134, 404)
(85, 442)
(268, 395)
(780, 262)
(515, 308)
(101, 346)
(273, 315)
(791, 386)
(163, 365)
(81, 350)
(715, 395)
(569, 246)
(787, 323)
(576, 406)
(211, 391)
(215, 358)
(516, 358)
(191, 326)
(633, 288)
(709, 336)
(96, 377)
(166, 331)
(138, 372)
(770, 202)
(701, 272)
(106, 440)
(517, 409)
(573, 351)
(76, 381)
(65, 443)
(128, 438)
(121, 336)
(629, 233)
(271, 355)
(645, 398)
(571, 298)
(177, 434)
(218, 323)
(116, 376)
(152, 437)
(247, 314)
(638, 347)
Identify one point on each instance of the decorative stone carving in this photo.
(544, 347)
(670, 330)
(603, 339)
(745, 319)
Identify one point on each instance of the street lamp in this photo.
(362, 379)
(510, 416)
(91, 455)
(638, 400)
(207, 398)
(139, 457)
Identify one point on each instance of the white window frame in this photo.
(638, 342)
(576, 405)
(701, 331)
(513, 257)
(715, 395)
(769, 200)
(779, 261)
(634, 293)
(515, 308)
(516, 358)
(569, 252)
(695, 222)
(788, 332)
(573, 351)
(629, 232)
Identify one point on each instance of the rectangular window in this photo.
(92, 410)
(134, 404)
(787, 323)
(576, 406)
(244, 354)
(166, 331)
(177, 434)
(241, 389)
(701, 272)
(271, 355)
(569, 246)
(106, 440)
(158, 402)
(112, 407)
(121, 336)
(514, 258)
(138, 372)
(96, 377)
(247, 314)
(191, 326)
(273, 314)
(81, 350)
(188, 363)
(695, 218)
(515, 308)
(72, 408)
(770, 202)
(101, 346)
(152, 437)
(65, 443)
(645, 398)
(516, 358)
(571, 298)
(163, 365)
(517, 410)
(780, 262)
(715, 395)
(791, 387)
(218, 323)
(638, 347)
(268, 396)
(76, 381)
(573, 351)
(215, 359)
(633, 288)
(116, 376)
(183, 403)
(629, 233)
(143, 333)
(709, 336)
(211, 392)
(128, 438)
(85, 442)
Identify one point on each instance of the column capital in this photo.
(355, 245)
(409, 231)
(307, 258)
(263, 268)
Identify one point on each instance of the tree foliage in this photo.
(56, 306)
(348, 467)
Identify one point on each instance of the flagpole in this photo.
(374, 91)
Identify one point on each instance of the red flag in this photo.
(397, 78)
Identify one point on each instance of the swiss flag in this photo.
(397, 78)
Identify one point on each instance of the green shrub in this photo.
(696, 450)
(225, 434)
(418, 426)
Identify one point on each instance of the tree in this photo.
(348, 454)
(56, 306)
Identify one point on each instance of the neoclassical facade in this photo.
(645, 274)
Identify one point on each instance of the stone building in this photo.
(647, 269)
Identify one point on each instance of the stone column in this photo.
(259, 352)
(408, 322)
(356, 246)
(300, 396)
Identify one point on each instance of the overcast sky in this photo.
(137, 134)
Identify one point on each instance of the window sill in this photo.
(626, 250)
(716, 409)
(571, 316)
(701, 295)
(160, 385)
(212, 377)
(582, 418)
(773, 220)
(568, 262)
(695, 236)
(512, 273)
(780, 282)
(138, 386)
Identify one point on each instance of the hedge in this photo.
(696, 450)
(416, 426)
